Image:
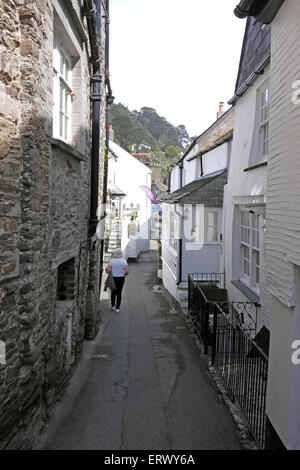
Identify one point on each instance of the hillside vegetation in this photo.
(146, 131)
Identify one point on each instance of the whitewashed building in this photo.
(280, 224)
(192, 212)
(244, 211)
(129, 208)
(282, 239)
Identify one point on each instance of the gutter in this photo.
(249, 8)
(201, 135)
(251, 78)
(212, 147)
(264, 11)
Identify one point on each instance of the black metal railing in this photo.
(240, 363)
(230, 328)
(209, 279)
(201, 290)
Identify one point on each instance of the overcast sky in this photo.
(179, 57)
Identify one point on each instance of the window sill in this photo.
(68, 149)
(256, 166)
(247, 292)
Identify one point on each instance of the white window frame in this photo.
(173, 228)
(200, 232)
(264, 97)
(215, 226)
(250, 241)
(62, 93)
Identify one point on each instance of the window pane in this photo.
(246, 252)
(246, 235)
(246, 267)
(212, 218)
(256, 266)
(212, 234)
(61, 97)
(245, 219)
(61, 124)
(66, 127)
(67, 71)
(267, 95)
(62, 63)
(67, 108)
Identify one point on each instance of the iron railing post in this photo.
(214, 340)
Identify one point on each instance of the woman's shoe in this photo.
(117, 310)
(113, 307)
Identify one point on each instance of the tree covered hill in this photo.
(145, 130)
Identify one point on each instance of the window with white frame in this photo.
(62, 93)
(205, 224)
(264, 122)
(211, 226)
(173, 241)
(260, 140)
(250, 250)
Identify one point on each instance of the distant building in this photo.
(192, 211)
(145, 158)
(129, 208)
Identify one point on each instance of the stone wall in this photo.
(44, 204)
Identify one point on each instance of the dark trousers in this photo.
(119, 281)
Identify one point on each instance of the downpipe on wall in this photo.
(92, 11)
(109, 102)
(181, 234)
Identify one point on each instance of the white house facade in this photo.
(192, 212)
(128, 205)
(283, 227)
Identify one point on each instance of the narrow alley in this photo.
(141, 384)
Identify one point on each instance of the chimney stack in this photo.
(111, 132)
(221, 109)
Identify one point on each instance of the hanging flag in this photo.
(151, 196)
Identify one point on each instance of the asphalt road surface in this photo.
(141, 384)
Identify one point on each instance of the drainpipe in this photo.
(109, 101)
(92, 11)
(181, 233)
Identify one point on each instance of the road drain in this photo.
(100, 356)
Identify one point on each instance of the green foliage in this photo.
(128, 131)
(172, 152)
(146, 131)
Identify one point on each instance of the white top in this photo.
(118, 266)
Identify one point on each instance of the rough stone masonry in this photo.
(44, 206)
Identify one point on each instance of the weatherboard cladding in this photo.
(256, 46)
(208, 191)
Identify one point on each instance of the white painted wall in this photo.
(128, 174)
(190, 170)
(283, 227)
(215, 159)
(175, 179)
(243, 188)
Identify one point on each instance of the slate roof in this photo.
(256, 48)
(207, 190)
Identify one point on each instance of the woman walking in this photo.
(118, 267)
